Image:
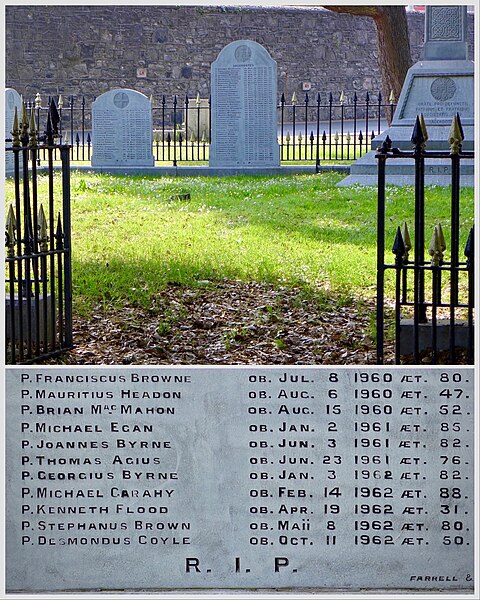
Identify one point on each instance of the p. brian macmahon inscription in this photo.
(250, 478)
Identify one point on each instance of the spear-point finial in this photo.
(441, 238)
(455, 138)
(10, 232)
(42, 230)
(424, 129)
(417, 135)
(294, 98)
(60, 102)
(391, 98)
(435, 249)
(342, 98)
(33, 130)
(406, 239)
(398, 247)
(197, 101)
(15, 129)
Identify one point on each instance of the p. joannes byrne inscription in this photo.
(263, 478)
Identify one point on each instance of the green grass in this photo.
(130, 238)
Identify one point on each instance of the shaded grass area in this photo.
(133, 236)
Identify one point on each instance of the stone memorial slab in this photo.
(122, 133)
(438, 87)
(12, 100)
(252, 478)
(244, 107)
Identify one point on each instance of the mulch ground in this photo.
(229, 323)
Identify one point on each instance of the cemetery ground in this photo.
(233, 270)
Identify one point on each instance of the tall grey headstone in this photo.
(438, 87)
(122, 130)
(12, 100)
(244, 113)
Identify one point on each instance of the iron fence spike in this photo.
(10, 231)
(455, 136)
(380, 97)
(417, 138)
(398, 247)
(151, 99)
(318, 98)
(197, 101)
(367, 97)
(89, 138)
(306, 98)
(330, 98)
(342, 98)
(406, 237)
(33, 130)
(42, 229)
(282, 99)
(294, 98)
(424, 127)
(435, 249)
(355, 97)
(391, 98)
(15, 129)
(460, 126)
(59, 234)
(65, 138)
(441, 237)
(312, 137)
(60, 101)
(470, 246)
(300, 138)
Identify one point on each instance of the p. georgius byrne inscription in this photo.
(239, 478)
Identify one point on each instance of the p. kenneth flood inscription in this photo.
(244, 107)
(122, 130)
(239, 478)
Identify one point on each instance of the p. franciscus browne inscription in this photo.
(244, 478)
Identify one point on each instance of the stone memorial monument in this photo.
(439, 86)
(244, 113)
(12, 100)
(122, 130)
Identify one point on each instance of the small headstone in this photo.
(122, 130)
(12, 100)
(197, 119)
(244, 107)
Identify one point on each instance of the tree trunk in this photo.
(394, 56)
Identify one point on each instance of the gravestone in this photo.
(12, 100)
(438, 87)
(122, 130)
(197, 119)
(244, 113)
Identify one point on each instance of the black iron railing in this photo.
(310, 129)
(38, 307)
(429, 290)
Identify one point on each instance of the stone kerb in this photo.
(122, 130)
(244, 107)
(12, 100)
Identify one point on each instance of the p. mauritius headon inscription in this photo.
(251, 478)
(122, 130)
(244, 113)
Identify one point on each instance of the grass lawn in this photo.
(131, 236)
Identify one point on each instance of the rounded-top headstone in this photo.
(122, 129)
(12, 100)
(244, 107)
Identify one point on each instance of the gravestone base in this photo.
(401, 171)
(425, 335)
(44, 304)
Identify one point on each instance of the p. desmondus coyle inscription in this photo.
(244, 107)
(243, 478)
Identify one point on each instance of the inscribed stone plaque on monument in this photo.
(244, 107)
(122, 130)
(12, 100)
(239, 478)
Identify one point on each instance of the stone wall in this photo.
(88, 50)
